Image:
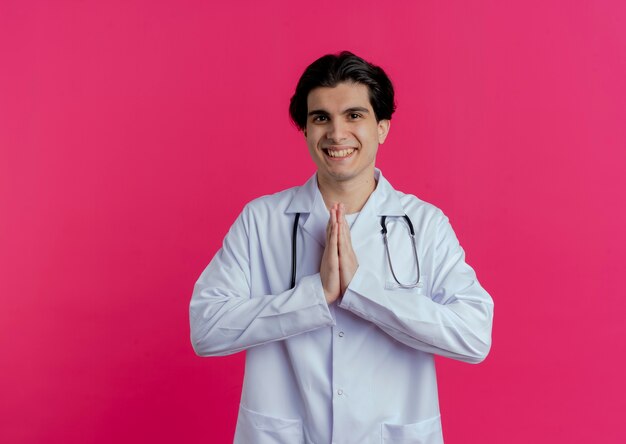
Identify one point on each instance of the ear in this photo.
(304, 132)
(383, 130)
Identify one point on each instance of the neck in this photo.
(352, 193)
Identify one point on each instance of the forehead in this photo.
(342, 96)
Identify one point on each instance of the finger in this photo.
(329, 227)
(345, 242)
(334, 232)
(344, 221)
(340, 227)
(330, 212)
(338, 220)
(347, 232)
(342, 239)
(347, 227)
(341, 213)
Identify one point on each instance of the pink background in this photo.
(133, 132)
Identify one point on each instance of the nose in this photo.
(337, 131)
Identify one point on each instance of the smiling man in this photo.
(341, 290)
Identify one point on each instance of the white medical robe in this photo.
(360, 371)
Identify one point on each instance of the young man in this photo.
(339, 306)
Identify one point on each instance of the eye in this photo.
(320, 118)
(355, 116)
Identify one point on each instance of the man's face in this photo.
(342, 132)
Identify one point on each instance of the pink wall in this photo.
(133, 132)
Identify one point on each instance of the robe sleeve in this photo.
(225, 317)
(453, 320)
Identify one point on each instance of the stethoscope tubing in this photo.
(293, 250)
(383, 232)
(412, 234)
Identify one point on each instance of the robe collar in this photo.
(308, 201)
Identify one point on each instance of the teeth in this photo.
(340, 153)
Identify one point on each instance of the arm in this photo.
(226, 316)
(454, 320)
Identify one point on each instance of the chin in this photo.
(342, 177)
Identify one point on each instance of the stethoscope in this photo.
(383, 232)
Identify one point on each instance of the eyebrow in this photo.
(360, 109)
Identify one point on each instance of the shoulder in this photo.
(275, 203)
(413, 205)
(395, 201)
(426, 217)
(430, 222)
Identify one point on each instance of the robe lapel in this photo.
(308, 201)
(384, 201)
(314, 216)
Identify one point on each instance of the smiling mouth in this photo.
(339, 154)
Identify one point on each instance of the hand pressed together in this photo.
(339, 262)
